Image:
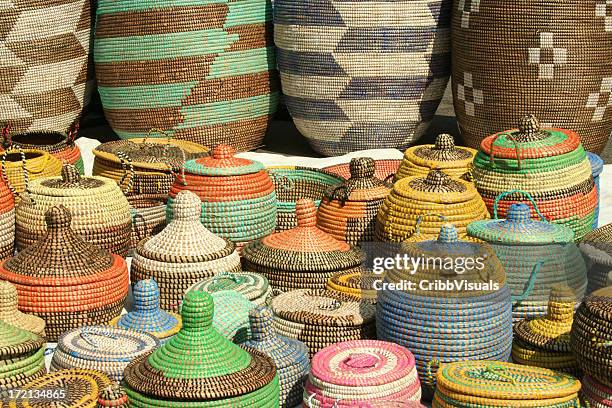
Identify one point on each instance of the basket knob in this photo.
(70, 174)
(361, 360)
(306, 213)
(58, 217)
(197, 310)
(448, 234)
(436, 178)
(362, 167)
(518, 213)
(444, 141)
(561, 303)
(223, 152)
(529, 125)
(187, 206)
(112, 396)
(261, 322)
(8, 298)
(146, 295)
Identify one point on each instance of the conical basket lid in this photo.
(71, 183)
(10, 314)
(443, 151)
(15, 342)
(362, 185)
(222, 162)
(436, 187)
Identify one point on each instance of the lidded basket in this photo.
(100, 212)
(302, 257)
(253, 286)
(10, 314)
(203, 368)
(383, 168)
(65, 280)
(20, 166)
(596, 248)
(7, 220)
(348, 210)
(360, 284)
(22, 356)
(182, 254)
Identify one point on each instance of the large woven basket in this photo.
(101, 214)
(362, 75)
(22, 357)
(65, 280)
(548, 163)
(184, 253)
(384, 168)
(19, 166)
(596, 394)
(597, 165)
(520, 57)
(46, 64)
(7, 220)
(9, 312)
(205, 71)
(596, 247)
(253, 286)
(200, 368)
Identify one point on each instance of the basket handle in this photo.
(7, 141)
(72, 132)
(141, 231)
(161, 132)
(167, 163)
(282, 182)
(87, 335)
(525, 193)
(26, 175)
(430, 375)
(417, 228)
(516, 148)
(124, 157)
(335, 304)
(530, 283)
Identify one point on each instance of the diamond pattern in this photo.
(467, 7)
(603, 9)
(469, 95)
(546, 56)
(602, 100)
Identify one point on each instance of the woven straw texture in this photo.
(356, 284)
(293, 183)
(421, 205)
(550, 164)
(596, 394)
(200, 368)
(44, 84)
(148, 217)
(210, 66)
(65, 280)
(101, 214)
(348, 210)
(362, 373)
(495, 384)
(253, 286)
(303, 257)
(290, 356)
(112, 396)
(21, 357)
(384, 168)
(536, 255)
(597, 164)
(20, 166)
(7, 220)
(184, 253)
(560, 74)
(238, 198)
(9, 313)
(362, 75)
(232, 315)
(320, 318)
(596, 247)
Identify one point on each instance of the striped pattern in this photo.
(203, 70)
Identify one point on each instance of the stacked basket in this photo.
(11, 315)
(66, 281)
(596, 247)
(383, 168)
(7, 220)
(231, 318)
(22, 357)
(20, 166)
(253, 286)
(183, 253)
(597, 164)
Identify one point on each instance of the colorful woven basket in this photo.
(215, 83)
(238, 198)
(200, 368)
(348, 210)
(384, 168)
(101, 214)
(148, 217)
(22, 357)
(113, 396)
(65, 280)
(597, 164)
(548, 163)
(496, 384)
(303, 257)
(290, 356)
(146, 316)
(20, 166)
(437, 322)
(595, 394)
(421, 205)
(184, 253)
(293, 183)
(11, 315)
(253, 286)
(321, 317)
(362, 373)
(7, 221)
(443, 155)
(232, 315)
(356, 284)
(596, 248)
(366, 75)
(536, 255)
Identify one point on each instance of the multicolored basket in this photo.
(10, 314)
(113, 396)
(348, 210)
(102, 348)
(359, 285)
(232, 315)
(496, 384)
(20, 166)
(363, 75)
(7, 221)
(184, 253)
(303, 257)
(597, 164)
(293, 183)
(596, 248)
(453, 160)
(148, 217)
(253, 286)
(548, 163)
(22, 357)
(384, 168)
(206, 71)
(238, 198)
(421, 205)
(101, 214)
(199, 367)
(536, 255)
(321, 317)
(146, 316)
(596, 394)
(290, 356)
(65, 280)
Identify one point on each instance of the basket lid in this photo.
(199, 362)
(322, 308)
(599, 304)
(443, 152)
(10, 314)
(72, 180)
(185, 238)
(112, 396)
(357, 283)
(385, 168)
(222, 162)
(436, 187)
(15, 342)
(597, 163)
(251, 285)
(362, 184)
(232, 315)
(597, 245)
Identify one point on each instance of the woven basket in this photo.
(421, 205)
(184, 253)
(290, 356)
(206, 71)
(536, 255)
(356, 284)
(46, 77)
(200, 368)
(359, 76)
(293, 183)
(20, 166)
(550, 164)
(238, 198)
(496, 384)
(144, 166)
(320, 318)
(7, 220)
(232, 315)
(597, 164)
(65, 280)
(146, 316)
(101, 214)
(596, 394)
(302, 257)
(11, 315)
(348, 210)
(253, 286)
(148, 217)
(596, 248)
(112, 396)
(384, 168)
(22, 357)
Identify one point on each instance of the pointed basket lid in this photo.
(71, 184)
(15, 342)
(185, 239)
(362, 185)
(222, 162)
(10, 314)
(198, 363)
(597, 163)
(444, 150)
(436, 187)
(112, 396)
(251, 285)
